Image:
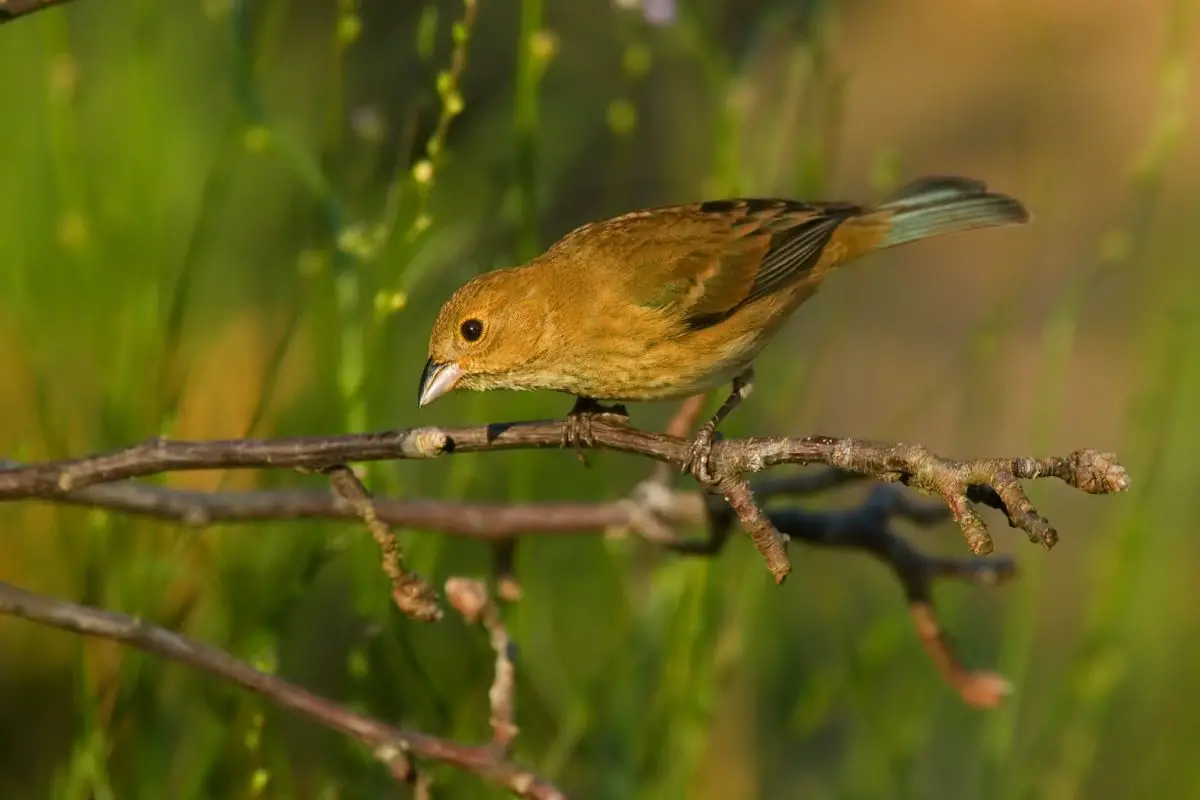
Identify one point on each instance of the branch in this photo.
(992, 481)
(391, 746)
(496, 522)
(504, 559)
(868, 527)
(470, 598)
(653, 511)
(11, 9)
(410, 593)
(499, 523)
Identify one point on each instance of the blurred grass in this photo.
(240, 218)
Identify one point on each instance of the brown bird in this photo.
(673, 301)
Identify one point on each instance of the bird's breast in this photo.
(659, 363)
(611, 350)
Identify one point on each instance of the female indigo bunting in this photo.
(669, 302)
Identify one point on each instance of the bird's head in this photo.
(486, 336)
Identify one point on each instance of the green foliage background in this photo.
(218, 222)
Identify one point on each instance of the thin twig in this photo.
(868, 527)
(411, 594)
(504, 558)
(387, 744)
(981, 689)
(423, 786)
(992, 481)
(471, 599)
(491, 522)
(482, 521)
(766, 537)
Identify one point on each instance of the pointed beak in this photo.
(437, 380)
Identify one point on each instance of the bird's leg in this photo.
(697, 458)
(577, 427)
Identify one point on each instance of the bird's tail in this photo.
(936, 205)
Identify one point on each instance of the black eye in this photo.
(472, 329)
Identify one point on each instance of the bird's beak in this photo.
(437, 380)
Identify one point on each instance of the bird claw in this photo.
(577, 427)
(696, 461)
(577, 431)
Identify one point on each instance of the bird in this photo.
(672, 301)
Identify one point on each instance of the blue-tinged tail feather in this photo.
(936, 205)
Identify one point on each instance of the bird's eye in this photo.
(472, 329)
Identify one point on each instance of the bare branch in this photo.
(471, 599)
(980, 689)
(389, 745)
(867, 527)
(993, 481)
(411, 594)
(652, 511)
(482, 521)
(504, 558)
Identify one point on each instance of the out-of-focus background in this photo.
(225, 218)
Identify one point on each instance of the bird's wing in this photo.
(704, 260)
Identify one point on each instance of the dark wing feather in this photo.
(791, 237)
(795, 250)
(703, 261)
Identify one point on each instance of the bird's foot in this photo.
(577, 427)
(696, 461)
